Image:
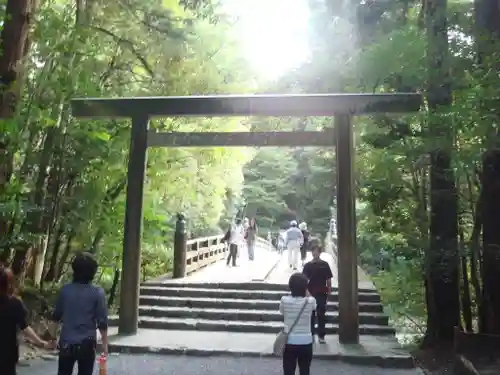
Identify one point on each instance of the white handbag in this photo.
(282, 337)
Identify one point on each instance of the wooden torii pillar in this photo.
(340, 106)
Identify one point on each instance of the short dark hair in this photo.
(238, 221)
(84, 268)
(7, 282)
(298, 285)
(315, 244)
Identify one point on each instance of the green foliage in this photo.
(382, 47)
(402, 291)
(69, 175)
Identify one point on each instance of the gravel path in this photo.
(175, 365)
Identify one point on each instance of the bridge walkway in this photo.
(265, 260)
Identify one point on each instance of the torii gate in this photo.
(340, 106)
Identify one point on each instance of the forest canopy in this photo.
(426, 182)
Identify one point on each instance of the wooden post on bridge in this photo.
(180, 247)
(341, 106)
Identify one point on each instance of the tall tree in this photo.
(487, 14)
(14, 46)
(442, 260)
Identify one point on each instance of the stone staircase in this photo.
(240, 307)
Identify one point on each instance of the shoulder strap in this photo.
(299, 315)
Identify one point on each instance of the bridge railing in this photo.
(265, 244)
(194, 254)
(204, 251)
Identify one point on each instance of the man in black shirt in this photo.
(320, 276)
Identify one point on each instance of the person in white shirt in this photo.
(235, 237)
(293, 241)
(299, 348)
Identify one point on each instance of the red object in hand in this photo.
(102, 365)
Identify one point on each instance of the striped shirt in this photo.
(237, 234)
(290, 308)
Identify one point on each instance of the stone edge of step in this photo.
(190, 324)
(182, 309)
(256, 284)
(392, 361)
(230, 288)
(114, 319)
(152, 300)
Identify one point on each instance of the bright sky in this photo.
(274, 33)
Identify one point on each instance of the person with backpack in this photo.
(81, 308)
(235, 236)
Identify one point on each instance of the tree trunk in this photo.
(14, 44)
(64, 257)
(442, 258)
(475, 257)
(465, 287)
(491, 241)
(51, 272)
(487, 14)
(35, 222)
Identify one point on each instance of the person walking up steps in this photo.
(235, 236)
(293, 241)
(319, 274)
(297, 308)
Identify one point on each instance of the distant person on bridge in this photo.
(293, 241)
(319, 274)
(235, 236)
(251, 236)
(305, 244)
(280, 242)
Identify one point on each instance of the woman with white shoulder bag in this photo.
(295, 342)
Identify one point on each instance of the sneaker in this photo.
(322, 340)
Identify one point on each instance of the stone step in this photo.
(186, 324)
(240, 304)
(238, 294)
(234, 286)
(246, 315)
(380, 351)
